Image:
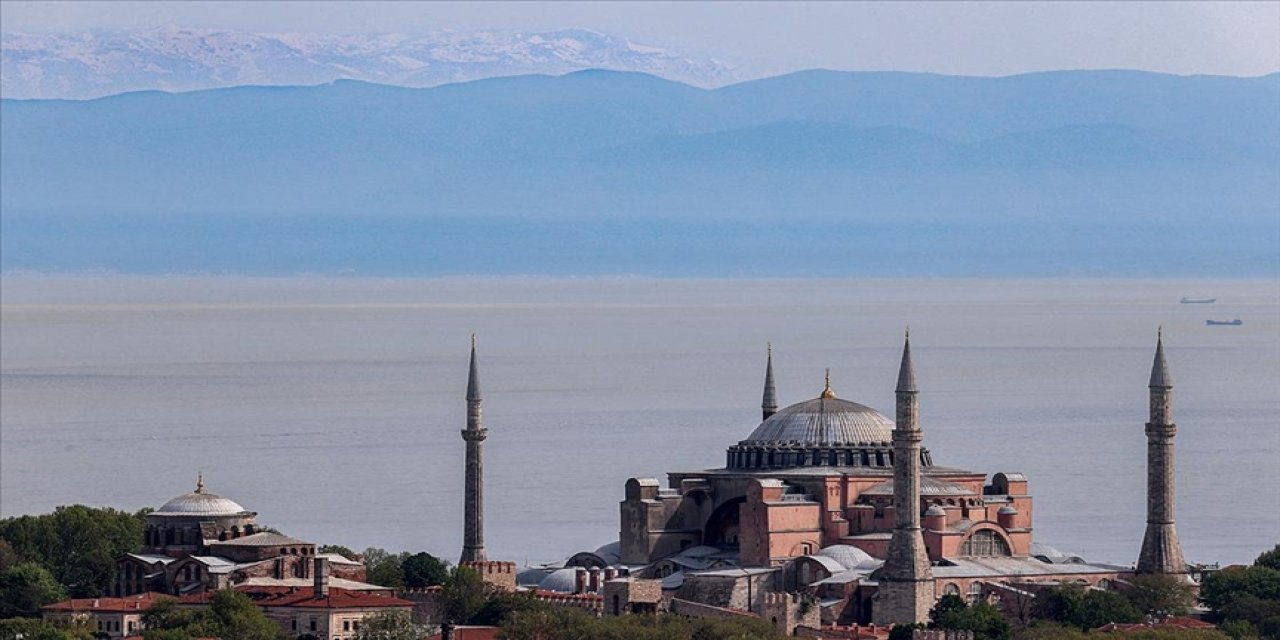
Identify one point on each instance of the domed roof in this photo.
(563, 580)
(824, 420)
(200, 503)
(849, 557)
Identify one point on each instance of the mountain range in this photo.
(171, 58)
(812, 173)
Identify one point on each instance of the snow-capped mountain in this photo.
(181, 59)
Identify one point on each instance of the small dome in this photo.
(1007, 511)
(200, 503)
(562, 580)
(934, 511)
(826, 420)
(849, 557)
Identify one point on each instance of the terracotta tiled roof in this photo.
(139, 602)
(303, 597)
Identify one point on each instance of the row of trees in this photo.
(76, 545)
(1246, 600)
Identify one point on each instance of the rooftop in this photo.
(304, 597)
(263, 539)
(139, 602)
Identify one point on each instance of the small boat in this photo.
(1224, 323)
(1186, 300)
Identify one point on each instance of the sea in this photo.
(332, 406)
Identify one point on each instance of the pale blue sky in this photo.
(984, 38)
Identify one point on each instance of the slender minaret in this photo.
(474, 434)
(769, 405)
(1161, 552)
(906, 580)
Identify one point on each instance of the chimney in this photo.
(610, 573)
(320, 578)
(580, 580)
(593, 585)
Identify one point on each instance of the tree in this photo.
(503, 605)
(8, 557)
(32, 629)
(236, 617)
(345, 552)
(1083, 608)
(383, 568)
(231, 616)
(465, 594)
(1269, 559)
(26, 587)
(1156, 593)
(391, 624)
(1103, 607)
(947, 607)
(77, 544)
(1220, 588)
(423, 570)
(982, 618)
(164, 614)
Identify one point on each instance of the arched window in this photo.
(975, 592)
(952, 589)
(985, 543)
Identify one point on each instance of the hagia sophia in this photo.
(826, 501)
(833, 499)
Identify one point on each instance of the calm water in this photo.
(332, 406)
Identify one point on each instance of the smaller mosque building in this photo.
(201, 541)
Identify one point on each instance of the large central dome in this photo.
(200, 503)
(824, 421)
(823, 432)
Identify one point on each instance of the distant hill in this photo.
(171, 58)
(819, 172)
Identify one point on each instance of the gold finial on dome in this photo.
(827, 392)
(199, 482)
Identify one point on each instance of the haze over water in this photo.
(332, 406)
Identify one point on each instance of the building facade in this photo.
(201, 541)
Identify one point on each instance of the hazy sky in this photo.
(984, 38)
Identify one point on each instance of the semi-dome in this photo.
(849, 557)
(826, 420)
(200, 503)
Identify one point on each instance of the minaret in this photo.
(769, 405)
(906, 580)
(1161, 552)
(474, 435)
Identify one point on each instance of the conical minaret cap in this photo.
(770, 399)
(1159, 368)
(473, 378)
(906, 372)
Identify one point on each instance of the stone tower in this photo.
(1161, 552)
(474, 435)
(906, 580)
(769, 405)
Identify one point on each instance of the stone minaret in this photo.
(1161, 552)
(906, 580)
(769, 405)
(474, 434)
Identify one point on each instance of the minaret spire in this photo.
(827, 391)
(1161, 551)
(474, 435)
(906, 580)
(769, 404)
